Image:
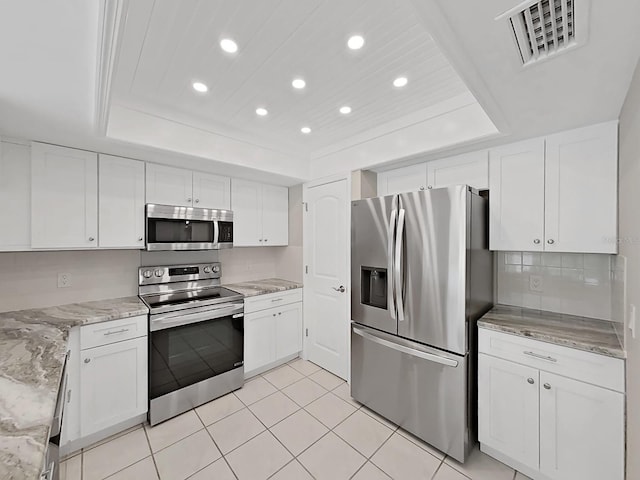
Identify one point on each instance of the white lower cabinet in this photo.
(545, 424)
(508, 406)
(272, 334)
(113, 384)
(107, 381)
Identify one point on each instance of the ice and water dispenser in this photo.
(373, 283)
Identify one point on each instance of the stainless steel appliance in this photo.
(52, 454)
(196, 336)
(421, 276)
(187, 228)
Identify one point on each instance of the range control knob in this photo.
(159, 272)
(207, 269)
(147, 274)
(215, 268)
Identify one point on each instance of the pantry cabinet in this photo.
(272, 330)
(551, 412)
(185, 188)
(556, 194)
(15, 190)
(121, 202)
(260, 214)
(64, 197)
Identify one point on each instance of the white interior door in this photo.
(326, 253)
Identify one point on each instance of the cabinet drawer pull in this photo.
(277, 299)
(541, 357)
(114, 332)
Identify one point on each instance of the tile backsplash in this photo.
(570, 283)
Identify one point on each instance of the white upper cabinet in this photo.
(169, 185)
(581, 190)
(211, 191)
(260, 214)
(401, 180)
(275, 215)
(64, 197)
(121, 202)
(15, 191)
(469, 169)
(516, 179)
(184, 188)
(557, 194)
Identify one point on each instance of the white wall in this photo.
(30, 279)
(574, 284)
(629, 200)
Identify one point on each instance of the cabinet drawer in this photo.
(262, 302)
(114, 331)
(588, 367)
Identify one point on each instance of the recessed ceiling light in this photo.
(400, 82)
(356, 42)
(261, 111)
(228, 45)
(345, 110)
(305, 130)
(200, 87)
(298, 83)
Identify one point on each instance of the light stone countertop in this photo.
(263, 287)
(582, 333)
(33, 344)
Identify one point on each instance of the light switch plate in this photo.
(536, 283)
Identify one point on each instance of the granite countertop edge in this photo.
(544, 326)
(33, 347)
(264, 286)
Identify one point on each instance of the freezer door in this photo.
(421, 389)
(373, 225)
(432, 265)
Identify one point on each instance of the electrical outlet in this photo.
(632, 320)
(536, 284)
(64, 280)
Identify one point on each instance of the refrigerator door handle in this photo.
(390, 283)
(409, 351)
(398, 281)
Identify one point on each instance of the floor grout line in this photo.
(153, 458)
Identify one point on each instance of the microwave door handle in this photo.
(390, 248)
(216, 232)
(398, 261)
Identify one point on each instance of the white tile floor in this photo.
(295, 422)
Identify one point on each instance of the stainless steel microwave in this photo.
(187, 228)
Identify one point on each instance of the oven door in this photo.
(190, 346)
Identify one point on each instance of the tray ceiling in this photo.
(168, 45)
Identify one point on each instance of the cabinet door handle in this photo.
(536, 241)
(91, 239)
(188, 200)
(421, 187)
(87, 360)
(139, 239)
(114, 332)
(266, 239)
(547, 386)
(531, 381)
(541, 357)
(197, 200)
(68, 395)
(279, 313)
(551, 241)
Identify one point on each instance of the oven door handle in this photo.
(162, 322)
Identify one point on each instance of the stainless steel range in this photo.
(196, 337)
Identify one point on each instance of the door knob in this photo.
(340, 289)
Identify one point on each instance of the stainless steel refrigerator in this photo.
(421, 274)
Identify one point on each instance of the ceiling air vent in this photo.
(545, 28)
